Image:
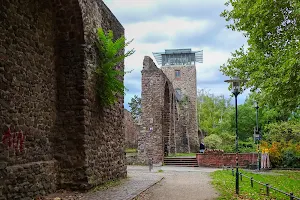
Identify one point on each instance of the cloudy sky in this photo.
(156, 25)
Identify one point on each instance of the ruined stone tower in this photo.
(179, 65)
(168, 122)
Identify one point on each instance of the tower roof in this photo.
(178, 57)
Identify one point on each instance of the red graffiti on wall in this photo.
(14, 140)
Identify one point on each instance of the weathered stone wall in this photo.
(131, 130)
(187, 84)
(220, 159)
(68, 143)
(181, 134)
(156, 133)
(104, 128)
(27, 98)
(47, 55)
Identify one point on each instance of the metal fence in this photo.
(268, 186)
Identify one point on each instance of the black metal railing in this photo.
(267, 185)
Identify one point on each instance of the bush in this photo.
(290, 159)
(283, 154)
(213, 141)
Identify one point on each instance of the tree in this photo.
(135, 108)
(272, 61)
(212, 111)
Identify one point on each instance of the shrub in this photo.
(108, 79)
(213, 141)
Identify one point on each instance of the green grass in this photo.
(130, 150)
(160, 171)
(287, 181)
(182, 154)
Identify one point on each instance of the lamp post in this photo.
(236, 89)
(257, 134)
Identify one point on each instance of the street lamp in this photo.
(257, 134)
(236, 89)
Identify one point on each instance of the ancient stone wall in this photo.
(131, 130)
(186, 82)
(104, 127)
(156, 135)
(54, 134)
(27, 98)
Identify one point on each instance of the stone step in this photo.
(181, 161)
(183, 165)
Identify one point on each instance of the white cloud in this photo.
(156, 25)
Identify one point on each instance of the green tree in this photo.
(272, 61)
(212, 111)
(135, 107)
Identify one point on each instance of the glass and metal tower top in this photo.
(178, 57)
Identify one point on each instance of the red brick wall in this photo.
(220, 159)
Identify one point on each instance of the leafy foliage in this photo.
(212, 111)
(213, 141)
(283, 131)
(272, 61)
(135, 107)
(109, 82)
(283, 141)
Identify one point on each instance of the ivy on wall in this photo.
(109, 83)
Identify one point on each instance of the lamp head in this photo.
(256, 105)
(235, 84)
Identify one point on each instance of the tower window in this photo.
(177, 73)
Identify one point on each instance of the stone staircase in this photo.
(181, 161)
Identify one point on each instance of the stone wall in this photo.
(131, 130)
(187, 84)
(104, 127)
(220, 159)
(156, 134)
(27, 98)
(54, 134)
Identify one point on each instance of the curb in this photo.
(136, 194)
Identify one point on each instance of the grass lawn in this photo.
(287, 181)
(183, 154)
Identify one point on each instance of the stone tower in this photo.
(179, 65)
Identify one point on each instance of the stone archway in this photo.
(166, 120)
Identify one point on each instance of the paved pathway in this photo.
(182, 183)
(139, 179)
(173, 183)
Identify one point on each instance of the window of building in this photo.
(177, 73)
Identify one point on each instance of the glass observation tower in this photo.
(178, 57)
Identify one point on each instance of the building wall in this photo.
(187, 83)
(131, 130)
(47, 55)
